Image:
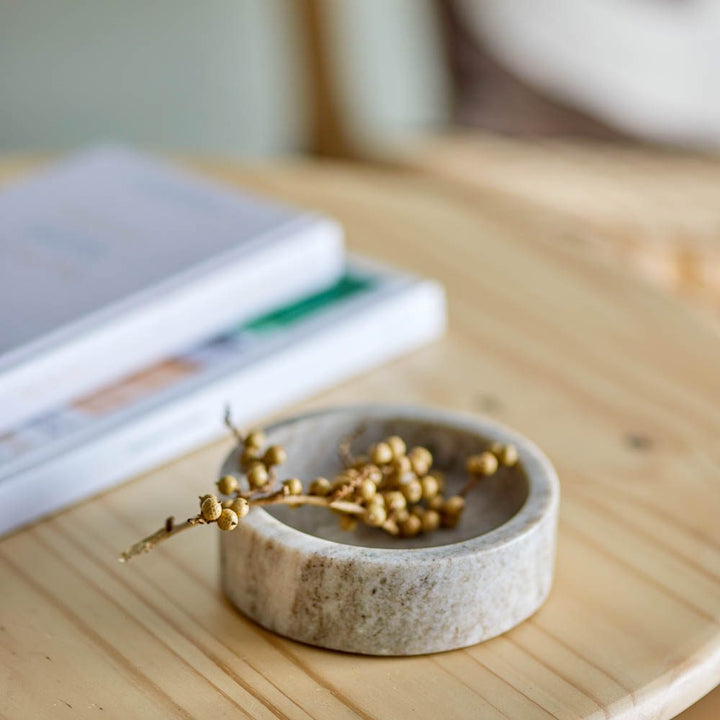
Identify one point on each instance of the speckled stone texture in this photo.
(296, 573)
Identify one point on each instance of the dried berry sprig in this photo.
(390, 488)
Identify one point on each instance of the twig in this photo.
(346, 456)
(279, 499)
(390, 526)
(469, 485)
(501, 472)
(230, 425)
(165, 532)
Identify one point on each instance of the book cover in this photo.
(175, 405)
(111, 260)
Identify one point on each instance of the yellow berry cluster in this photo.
(394, 489)
(391, 487)
(258, 467)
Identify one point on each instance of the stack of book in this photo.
(137, 302)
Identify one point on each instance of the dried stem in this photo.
(475, 479)
(469, 485)
(350, 486)
(390, 526)
(165, 532)
(344, 450)
(230, 425)
(170, 529)
(279, 499)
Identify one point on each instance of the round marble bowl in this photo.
(296, 573)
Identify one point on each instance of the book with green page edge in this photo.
(173, 406)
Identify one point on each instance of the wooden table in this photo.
(656, 212)
(618, 382)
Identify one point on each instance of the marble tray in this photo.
(295, 572)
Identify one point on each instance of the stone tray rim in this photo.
(542, 499)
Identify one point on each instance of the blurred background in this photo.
(606, 112)
(257, 78)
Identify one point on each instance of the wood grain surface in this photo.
(618, 383)
(655, 211)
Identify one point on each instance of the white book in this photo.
(111, 260)
(370, 316)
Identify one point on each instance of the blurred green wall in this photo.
(218, 76)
